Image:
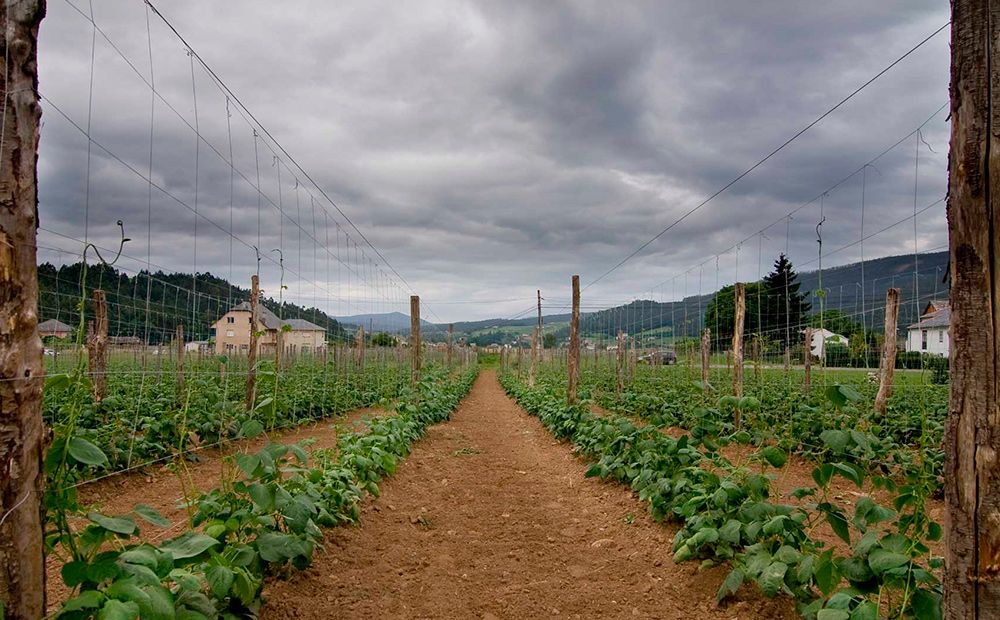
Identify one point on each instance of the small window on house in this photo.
(923, 340)
(230, 319)
(230, 333)
(940, 335)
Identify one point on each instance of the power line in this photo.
(774, 152)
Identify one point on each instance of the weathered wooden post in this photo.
(706, 351)
(279, 348)
(97, 347)
(888, 364)
(252, 352)
(451, 331)
(972, 440)
(534, 358)
(415, 340)
(179, 343)
(788, 358)
(619, 365)
(573, 355)
(739, 314)
(359, 343)
(22, 577)
(807, 360)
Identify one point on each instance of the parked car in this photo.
(663, 356)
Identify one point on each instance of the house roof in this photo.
(941, 318)
(271, 320)
(54, 325)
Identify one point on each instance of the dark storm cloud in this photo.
(489, 149)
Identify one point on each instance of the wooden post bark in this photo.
(573, 355)
(415, 340)
(972, 436)
(788, 358)
(359, 347)
(451, 331)
(97, 347)
(739, 314)
(887, 366)
(252, 352)
(807, 360)
(534, 358)
(22, 568)
(619, 364)
(179, 343)
(706, 349)
(279, 348)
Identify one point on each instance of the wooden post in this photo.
(573, 355)
(451, 331)
(619, 364)
(519, 358)
(415, 340)
(22, 576)
(359, 344)
(740, 313)
(788, 358)
(534, 358)
(97, 347)
(972, 438)
(179, 343)
(279, 348)
(252, 352)
(807, 360)
(631, 360)
(706, 351)
(888, 364)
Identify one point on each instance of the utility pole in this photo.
(22, 565)
(536, 343)
(972, 436)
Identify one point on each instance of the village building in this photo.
(822, 337)
(298, 336)
(54, 327)
(930, 333)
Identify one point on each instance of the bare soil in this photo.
(490, 517)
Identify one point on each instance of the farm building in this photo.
(232, 332)
(930, 333)
(820, 337)
(54, 327)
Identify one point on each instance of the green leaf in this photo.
(865, 611)
(849, 471)
(264, 403)
(279, 547)
(159, 604)
(189, 545)
(835, 440)
(933, 531)
(832, 614)
(118, 525)
(926, 605)
(119, 610)
(151, 515)
(88, 599)
(826, 574)
(74, 573)
(882, 560)
(250, 429)
(263, 496)
(54, 383)
(85, 452)
(730, 585)
(838, 522)
(773, 578)
(775, 456)
(220, 579)
(144, 556)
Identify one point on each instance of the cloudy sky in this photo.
(487, 149)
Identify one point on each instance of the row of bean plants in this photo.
(727, 515)
(262, 520)
(144, 417)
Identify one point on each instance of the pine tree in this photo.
(784, 306)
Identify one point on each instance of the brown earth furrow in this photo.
(490, 517)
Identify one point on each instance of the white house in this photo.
(930, 334)
(822, 336)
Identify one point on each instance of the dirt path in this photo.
(161, 487)
(490, 517)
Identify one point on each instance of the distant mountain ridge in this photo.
(381, 322)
